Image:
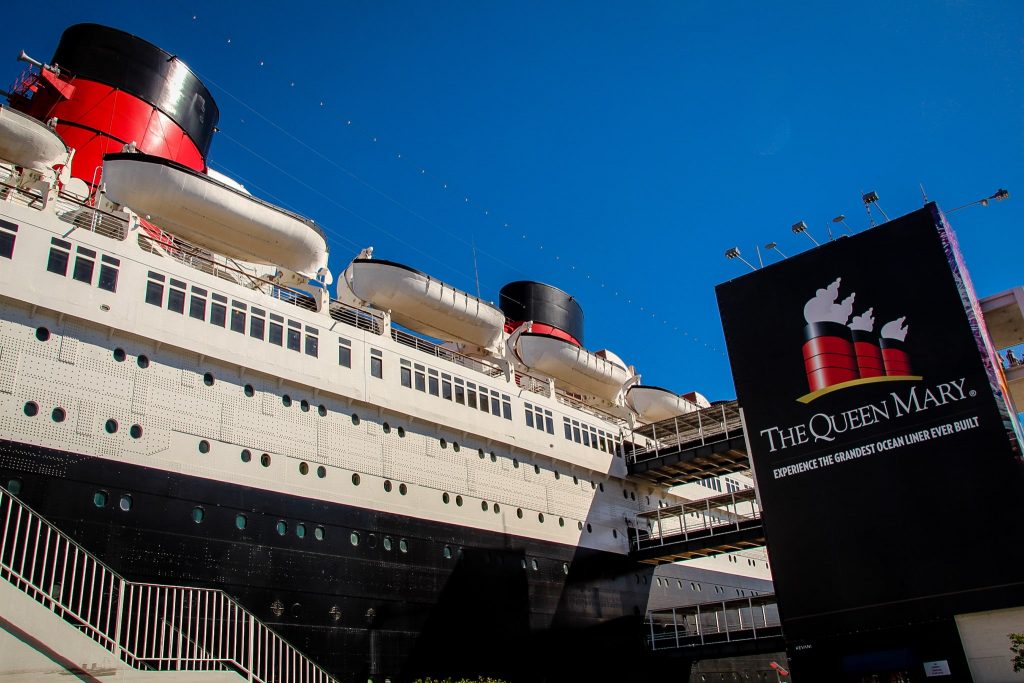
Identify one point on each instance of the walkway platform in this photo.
(744, 625)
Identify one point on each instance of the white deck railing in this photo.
(149, 626)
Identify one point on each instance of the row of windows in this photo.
(85, 264)
(593, 437)
(463, 392)
(539, 418)
(273, 328)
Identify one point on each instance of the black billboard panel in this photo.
(884, 452)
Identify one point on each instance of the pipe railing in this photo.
(701, 518)
(708, 623)
(701, 427)
(148, 626)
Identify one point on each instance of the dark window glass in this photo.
(83, 269)
(421, 379)
(218, 313)
(471, 395)
(344, 353)
(506, 410)
(58, 262)
(277, 334)
(586, 437)
(406, 377)
(483, 400)
(529, 417)
(495, 405)
(377, 367)
(568, 429)
(256, 327)
(176, 300)
(294, 339)
(197, 307)
(108, 278)
(446, 388)
(237, 321)
(7, 230)
(312, 346)
(460, 392)
(432, 385)
(219, 297)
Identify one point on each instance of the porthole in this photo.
(533, 563)
(575, 479)
(99, 499)
(590, 529)
(135, 431)
(265, 459)
(625, 494)
(241, 521)
(483, 505)
(444, 444)
(536, 469)
(42, 334)
(403, 489)
(565, 568)
(246, 455)
(632, 495)
(387, 485)
(387, 543)
(579, 526)
(355, 479)
(401, 432)
(58, 414)
(497, 509)
(522, 563)
(446, 498)
(208, 379)
(282, 527)
(455, 446)
(353, 538)
(519, 513)
(198, 514)
(31, 409)
(557, 475)
(480, 452)
(319, 533)
(300, 530)
(386, 428)
(125, 503)
(286, 401)
(540, 517)
(14, 486)
(593, 485)
(494, 458)
(615, 533)
(249, 390)
(321, 471)
(561, 521)
(403, 545)
(515, 463)
(204, 446)
(355, 419)
(321, 410)
(371, 541)
(304, 405)
(303, 468)
(142, 361)
(458, 500)
(447, 552)
(601, 486)
(119, 355)
(111, 426)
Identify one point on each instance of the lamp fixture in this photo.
(772, 246)
(734, 252)
(801, 227)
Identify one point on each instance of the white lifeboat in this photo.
(425, 304)
(215, 215)
(654, 404)
(600, 374)
(29, 143)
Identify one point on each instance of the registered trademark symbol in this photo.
(973, 392)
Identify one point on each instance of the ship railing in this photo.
(439, 351)
(148, 626)
(722, 621)
(705, 518)
(579, 404)
(537, 385)
(69, 208)
(708, 425)
(357, 317)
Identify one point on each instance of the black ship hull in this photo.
(367, 595)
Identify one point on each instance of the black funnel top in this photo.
(526, 300)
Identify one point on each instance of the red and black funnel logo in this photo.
(843, 350)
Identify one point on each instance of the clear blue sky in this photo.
(626, 145)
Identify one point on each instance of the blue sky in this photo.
(625, 145)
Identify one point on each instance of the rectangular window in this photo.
(238, 317)
(568, 428)
(446, 387)
(506, 407)
(460, 392)
(549, 423)
(483, 400)
(108, 273)
(197, 304)
(432, 383)
(85, 261)
(8, 232)
(601, 444)
(586, 436)
(344, 350)
(58, 261)
(593, 438)
(277, 331)
(576, 432)
(529, 415)
(294, 335)
(154, 288)
(257, 323)
(470, 394)
(312, 346)
(176, 297)
(421, 378)
(406, 373)
(495, 403)
(376, 363)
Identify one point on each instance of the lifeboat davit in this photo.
(654, 404)
(222, 218)
(601, 374)
(28, 142)
(425, 304)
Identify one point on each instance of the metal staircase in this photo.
(148, 626)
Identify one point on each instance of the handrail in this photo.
(714, 516)
(439, 351)
(736, 619)
(709, 425)
(148, 626)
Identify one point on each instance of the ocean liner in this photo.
(400, 480)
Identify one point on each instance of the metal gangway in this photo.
(705, 443)
(718, 623)
(148, 626)
(700, 528)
